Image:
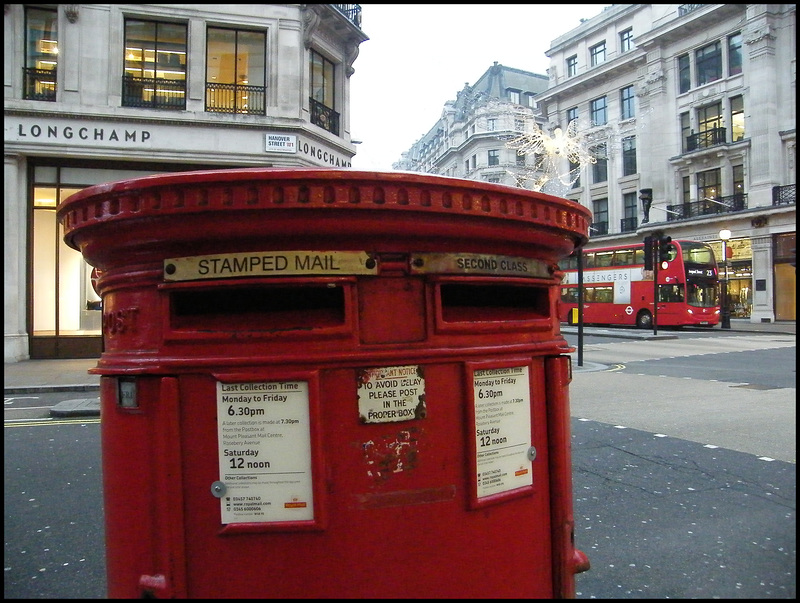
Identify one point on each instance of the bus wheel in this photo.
(644, 320)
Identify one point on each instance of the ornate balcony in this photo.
(324, 117)
(707, 207)
(40, 84)
(705, 139)
(784, 195)
(153, 93)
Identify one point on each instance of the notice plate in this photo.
(269, 263)
(502, 429)
(478, 263)
(391, 393)
(264, 440)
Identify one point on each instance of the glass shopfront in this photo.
(65, 315)
(739, 275)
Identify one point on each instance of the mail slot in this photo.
(332, 383)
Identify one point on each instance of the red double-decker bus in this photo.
(617, 290)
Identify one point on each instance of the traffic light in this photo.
(648, 252)
(666, 249)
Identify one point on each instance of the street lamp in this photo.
(725, 317)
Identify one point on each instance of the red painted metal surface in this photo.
(397, 510)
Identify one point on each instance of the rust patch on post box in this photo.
(391, 454)
(402, 498)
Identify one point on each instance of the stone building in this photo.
(469, 139)
(689, 113)
(104, 92)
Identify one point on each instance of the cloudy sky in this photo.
(419, 56)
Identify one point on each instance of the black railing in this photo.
(685, 9)
(628, 224)
(234, 98)
(40, 84)
(324, 117)
(352, 12)
(784, 195)
(707, 207)
(706, 139)
(153, 93)
(598, 228)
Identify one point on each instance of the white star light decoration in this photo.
(558, 159)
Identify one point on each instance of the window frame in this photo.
(627, 101)
(165, 93)
(572, 65)
(40, 83)
(626, 40)
(708, 63)
(597, 54)
(598, 111)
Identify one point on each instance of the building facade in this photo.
(103, 92)
(469, 140)
(688, 111)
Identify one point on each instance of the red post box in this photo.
(331, 383)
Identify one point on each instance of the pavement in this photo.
(37, 376)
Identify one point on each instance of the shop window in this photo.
(236, 71)
(322, 97)
(154, 65)
(41, 54)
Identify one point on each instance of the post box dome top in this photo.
(238, 198)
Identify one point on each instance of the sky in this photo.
(419, 56)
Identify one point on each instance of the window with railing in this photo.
(709, 122)
(236, 63)
(600, 216)
(154, 65)
(630, 211)
(709, 185)
(322, 96)
(41, 54)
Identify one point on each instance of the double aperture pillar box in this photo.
(330, 383)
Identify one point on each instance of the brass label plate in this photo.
(269, 263)
(478, 263)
